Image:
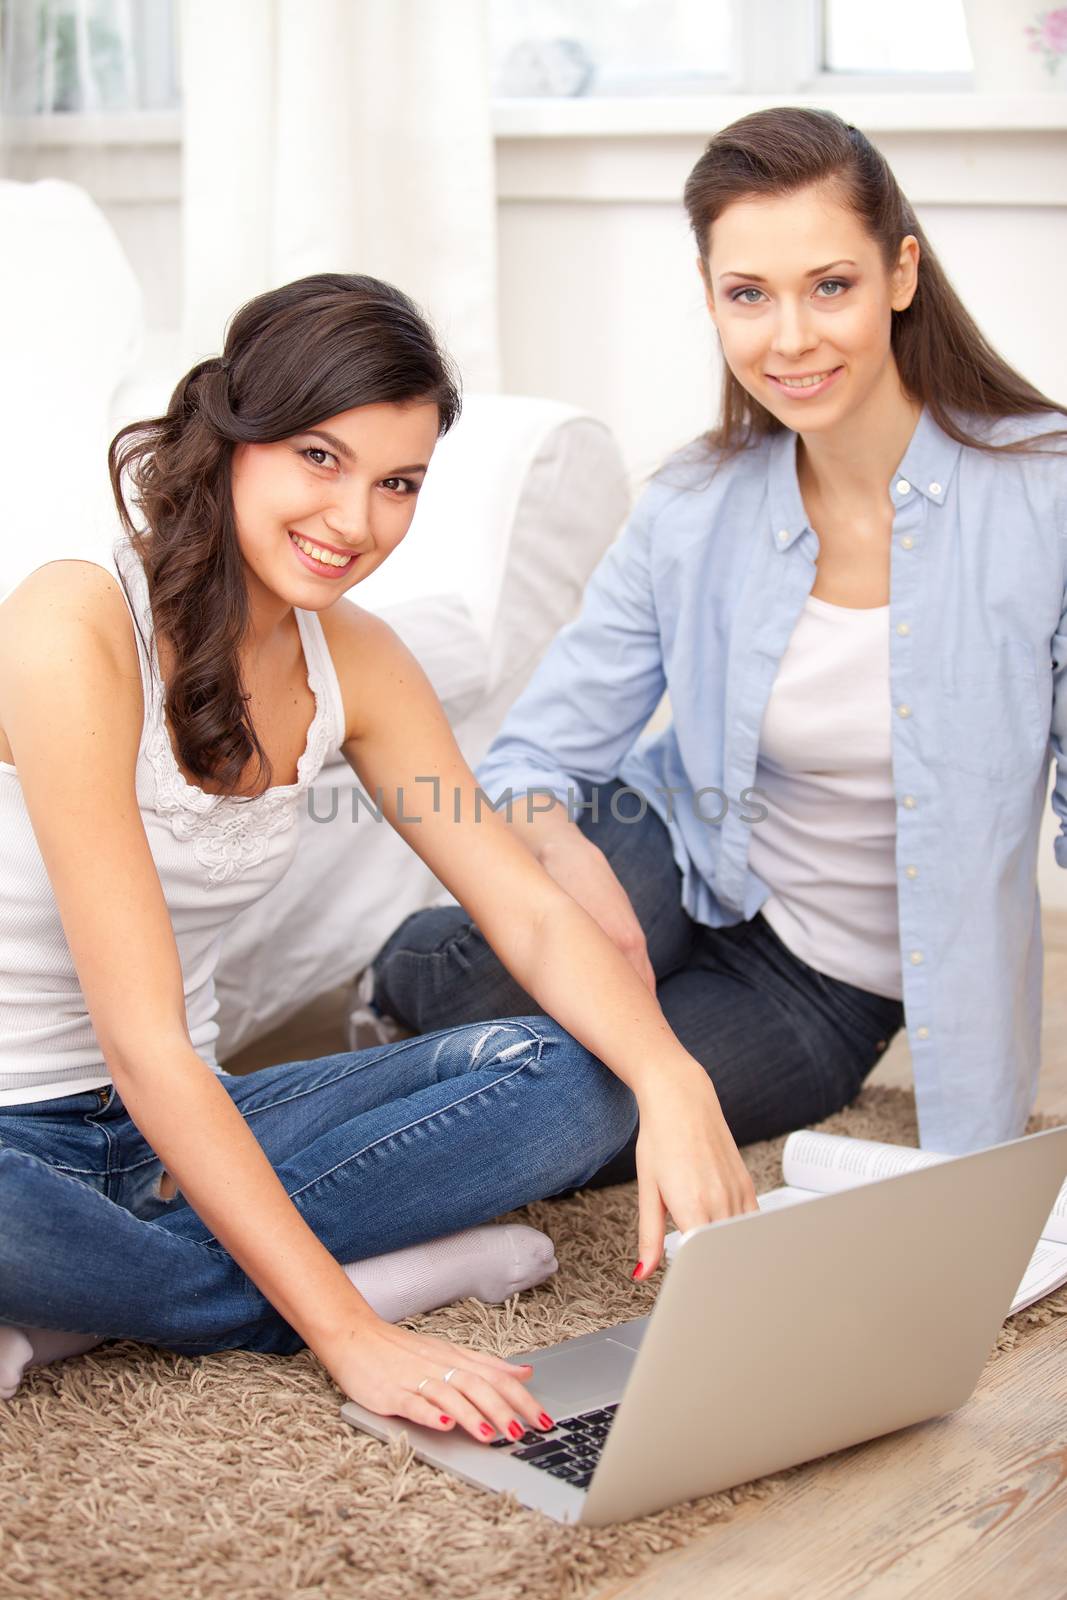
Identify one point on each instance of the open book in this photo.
(823, 1163)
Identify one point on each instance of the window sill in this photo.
(875, 111)
(107, 127)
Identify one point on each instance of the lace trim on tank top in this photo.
(229, 835)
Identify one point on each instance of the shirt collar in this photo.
(929, 462)
(927, 468)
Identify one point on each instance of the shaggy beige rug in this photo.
(135, 1474)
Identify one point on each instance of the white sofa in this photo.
(520, 501)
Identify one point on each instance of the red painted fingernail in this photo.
(483, 1427)
(637, 1270)
(515, 1430)
(545, 1420)
(446, 1420)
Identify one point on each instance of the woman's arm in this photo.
(583, 870)
(402, 749)
(71, 706)
(598, 683)
(578, 717)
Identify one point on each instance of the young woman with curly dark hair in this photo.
(159, 727)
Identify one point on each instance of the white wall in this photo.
(601, 306)
(600, 300)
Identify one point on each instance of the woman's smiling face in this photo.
(798, 290)
(346, 487)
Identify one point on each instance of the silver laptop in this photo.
(777, 1337)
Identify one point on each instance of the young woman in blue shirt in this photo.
(853, 590)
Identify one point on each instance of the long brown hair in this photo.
(943, 358)
(292, 357)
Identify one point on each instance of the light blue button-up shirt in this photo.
(699, 596)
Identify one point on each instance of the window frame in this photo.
(779, 47)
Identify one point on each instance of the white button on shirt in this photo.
(903, 486)
(907, 543)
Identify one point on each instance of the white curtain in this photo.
(346, 136)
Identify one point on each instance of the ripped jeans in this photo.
(377, 1149)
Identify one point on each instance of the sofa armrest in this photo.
(521, 500)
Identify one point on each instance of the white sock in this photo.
(36, 1347)
(480, 1263)
(488, 1264)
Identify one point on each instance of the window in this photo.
(562, 48)
(87, 56)
(908, 36)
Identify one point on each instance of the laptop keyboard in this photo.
(570, 1450)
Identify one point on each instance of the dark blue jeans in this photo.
(783, 1044)
(376, 1149)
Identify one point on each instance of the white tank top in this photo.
(827, 848)
(214, 854)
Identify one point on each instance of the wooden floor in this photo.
(962, 1508)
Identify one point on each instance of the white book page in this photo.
(1047, 1270)
(827, 1162)
(1056, 1226)
(775, 1199)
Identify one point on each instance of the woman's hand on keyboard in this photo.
(381, 1367)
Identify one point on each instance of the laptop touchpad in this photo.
(577, 1380)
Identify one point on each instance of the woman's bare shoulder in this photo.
(70, 594)
(369, 657)
(66, 617)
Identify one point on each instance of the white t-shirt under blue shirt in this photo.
(827, 845)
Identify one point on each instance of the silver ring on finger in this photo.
(449, 1375)
(421, 1386)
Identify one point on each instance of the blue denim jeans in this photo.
(377, 1149)
(784, 1045)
